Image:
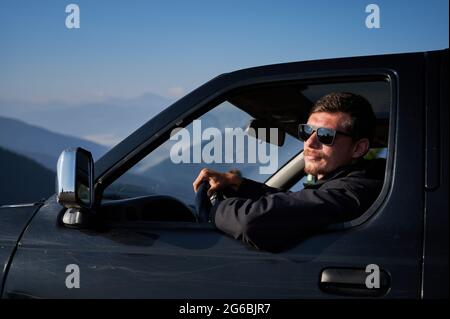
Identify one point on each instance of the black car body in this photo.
(405, 232)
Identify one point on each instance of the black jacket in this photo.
(271, 219)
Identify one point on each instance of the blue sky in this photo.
(127, 48)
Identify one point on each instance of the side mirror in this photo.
(74, 179)
(266, 132)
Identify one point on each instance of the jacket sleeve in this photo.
(251, 189)
(275, 220)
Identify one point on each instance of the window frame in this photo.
(219, 96)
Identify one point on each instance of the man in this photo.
(337, 135)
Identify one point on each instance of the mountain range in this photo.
(23, 180)
(106, 122)
(41, 145)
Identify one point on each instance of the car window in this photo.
(160, 172)
(171, 168)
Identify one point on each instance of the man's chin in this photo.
(312, 169)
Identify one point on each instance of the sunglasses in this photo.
(324, 135)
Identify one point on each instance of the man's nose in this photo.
(313, 141)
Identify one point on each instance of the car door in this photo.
(182, 259)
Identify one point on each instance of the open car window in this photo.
(162, 173)
(171, 168)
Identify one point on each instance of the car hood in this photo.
(13, 221)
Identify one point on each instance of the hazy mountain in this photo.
(23, 180)
(106, 122)
(40, 144)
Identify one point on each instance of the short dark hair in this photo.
(362, 116)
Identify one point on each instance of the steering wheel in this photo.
(204, 203)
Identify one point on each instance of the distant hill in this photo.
(40, 144)
(23, 180)
(106, 122)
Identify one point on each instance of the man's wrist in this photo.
(235, 179)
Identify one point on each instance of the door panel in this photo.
(157, 260)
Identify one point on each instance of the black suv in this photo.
(126, 227)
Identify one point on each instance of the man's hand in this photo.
(217, 181)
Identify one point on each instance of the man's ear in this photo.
(361, 148)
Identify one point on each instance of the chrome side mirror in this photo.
(74, 179)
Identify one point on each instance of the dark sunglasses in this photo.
(324, 135)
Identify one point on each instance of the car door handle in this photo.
(352, 282)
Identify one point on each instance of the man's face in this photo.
(321, 159)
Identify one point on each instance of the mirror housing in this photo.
(262, 129)
(75, 178)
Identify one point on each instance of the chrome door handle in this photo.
(352, 282)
